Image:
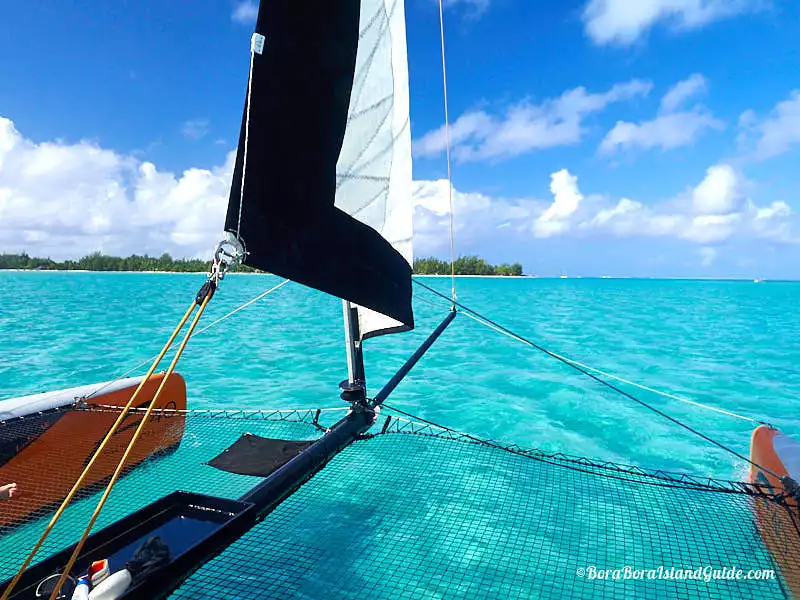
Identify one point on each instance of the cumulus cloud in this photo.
(477, 135)
(623, 22)
(66, 200)
(476, 216)
(719, 193)
(566, 201)
(669, 129)
(776, 133)
(245, 12)
(715, 210)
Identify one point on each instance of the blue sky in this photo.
(624, 137)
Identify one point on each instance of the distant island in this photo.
(465, 265)
(102, 262)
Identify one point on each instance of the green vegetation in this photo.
(101, 262)
(465, 265)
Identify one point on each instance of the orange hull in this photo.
(48, 465)
(777, 524)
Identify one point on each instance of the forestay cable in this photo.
(263, 294)
(616, 377)
(598, 379)
(447, 146)
(622, 379)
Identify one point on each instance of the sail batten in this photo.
(326, 161)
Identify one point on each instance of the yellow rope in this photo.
(76, 552)
(109, 435)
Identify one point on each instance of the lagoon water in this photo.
(734, 345)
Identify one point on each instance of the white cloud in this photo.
(682, 91)
(195, 129)
(665, 131)
(617, 215)
(525, 127)
(669, 129)
(715, 210)
(245, 12)
(66, 200)
(623, 22)
(477, 216)
(469, 126)
(719, 193)
(778, 132)
(566, 201)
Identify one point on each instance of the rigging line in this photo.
(628, 382)
(243, 306)
(590, 468)
(152, 358)
(201, 412)
(621, 379)
(449, 168)
(134, 439)
(203, 330)
(246, 134)
(100, 449)
(604, 382)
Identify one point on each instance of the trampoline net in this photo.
(421, 512)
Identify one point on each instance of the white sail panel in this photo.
(374, 168)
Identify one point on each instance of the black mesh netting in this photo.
(418, 512)
(170, 456)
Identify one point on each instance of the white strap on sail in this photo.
(374, 168)
(256, 47)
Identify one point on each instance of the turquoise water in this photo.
(730, 344)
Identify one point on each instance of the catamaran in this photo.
(363, 501)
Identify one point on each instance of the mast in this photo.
(353, 388)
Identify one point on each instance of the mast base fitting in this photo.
(354, 392)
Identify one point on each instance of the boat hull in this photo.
(46, 443)
(777, 523)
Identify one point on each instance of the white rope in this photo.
(243, 306)
(195, 334)
(246, 138)
(618, 378)
(447, 146)
(222, 411)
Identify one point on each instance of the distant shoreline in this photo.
(124, 272)
(546, 278)
(481, 276)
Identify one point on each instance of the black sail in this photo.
(285, 217)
